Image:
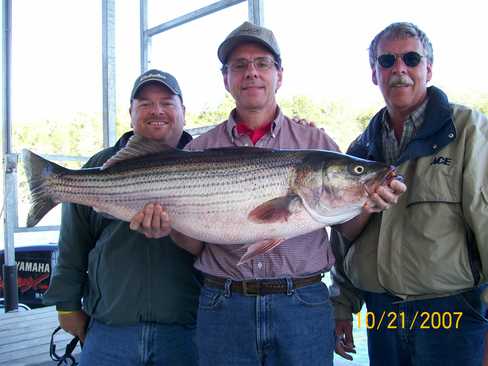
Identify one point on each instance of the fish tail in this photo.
(38, 170)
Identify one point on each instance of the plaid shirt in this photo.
(300, 256)
(391, 148)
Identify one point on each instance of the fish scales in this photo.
(205, 192)
(201, 181)
(223, 196)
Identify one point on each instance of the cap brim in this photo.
(229, 44)
(158, 80)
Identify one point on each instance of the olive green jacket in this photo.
(434, 242)
(120, 276)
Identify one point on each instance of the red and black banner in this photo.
(34, 266)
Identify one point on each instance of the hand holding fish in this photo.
(152, 221)
(385, 196)
(382, 198)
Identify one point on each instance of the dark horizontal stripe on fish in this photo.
(213, 172)
(203, 189)
(168, 181)
(228, 160)
(125, 197)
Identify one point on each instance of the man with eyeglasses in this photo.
(420, 267)
(273, 310)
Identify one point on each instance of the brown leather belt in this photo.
(261, 287)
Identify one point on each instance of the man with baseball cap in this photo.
(248, 32)
(274, 309)
(159, 77)
(140, 294)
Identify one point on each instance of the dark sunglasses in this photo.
(411, 59)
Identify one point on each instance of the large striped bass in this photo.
(238, 195)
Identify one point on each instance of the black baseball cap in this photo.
(154, 75)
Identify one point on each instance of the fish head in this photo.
(334, 187)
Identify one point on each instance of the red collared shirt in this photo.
(254, 135)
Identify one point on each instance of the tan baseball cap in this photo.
(248, 32)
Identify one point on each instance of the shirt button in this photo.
(451, 135)
(260, 265)
(434, 147)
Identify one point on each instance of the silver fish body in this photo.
(222, 196)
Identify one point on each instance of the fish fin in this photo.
(275, 210)
(258, 249)
(137, 146)
(115, 213)
(38, 170)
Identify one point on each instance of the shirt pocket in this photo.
(433, 209)
(434, 246)
(434, 184)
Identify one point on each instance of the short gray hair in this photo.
(401, 30)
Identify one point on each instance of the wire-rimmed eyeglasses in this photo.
(260, 63)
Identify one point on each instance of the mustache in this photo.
(400, 80)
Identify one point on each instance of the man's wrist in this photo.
(69, 306)
(66, 312)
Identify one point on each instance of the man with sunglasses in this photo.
(273, 310)
(419, 267)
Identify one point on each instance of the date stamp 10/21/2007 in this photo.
(401, 320)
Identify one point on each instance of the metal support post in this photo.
(11, 294)
(256, 12)
(108, 72)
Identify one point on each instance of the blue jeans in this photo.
(141, 344)
(277, 329)
(442, 331)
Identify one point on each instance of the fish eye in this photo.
(358, 169)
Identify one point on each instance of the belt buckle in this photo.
(245, 289)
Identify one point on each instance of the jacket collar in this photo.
(184, 139)
(436, 132)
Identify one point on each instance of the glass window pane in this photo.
(56, 76)
(56, 88)
(163, 11)
(127, 59)
(192, 58)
